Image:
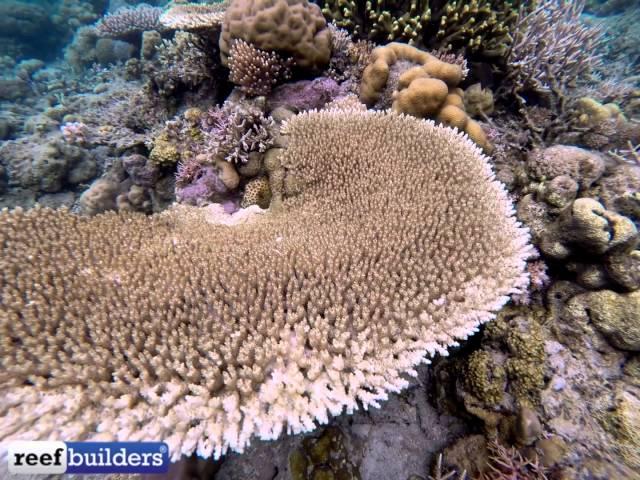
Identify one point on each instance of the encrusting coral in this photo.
(136, 328)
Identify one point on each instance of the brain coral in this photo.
(288, 27)
(399, 245)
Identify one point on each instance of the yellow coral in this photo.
(257, 192)
(164, 153)
(427, 90)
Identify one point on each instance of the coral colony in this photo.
(341, 239)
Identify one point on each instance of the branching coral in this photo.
(186, 60)
(234, 131)
(194, 16)
(552, 48)
(507, 464)
(129, 21)
(477, 26)
(139, 328)
(255, 70)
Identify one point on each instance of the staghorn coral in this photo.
(194, 16)
(128, 22)
(184, 61)
(169, 326)
(255, 70)
(552, 48)
(476, 26)
(232, 132)
(507, 463)
(482, 26)
(293, 28)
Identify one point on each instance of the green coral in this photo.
(476, 26)
(484, 378)
(164, 152)
(524, 366)
(322, 458)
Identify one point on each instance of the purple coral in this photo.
(305, 94)
(234, 131)
(74, 133)
(552, 47)
(206, 186)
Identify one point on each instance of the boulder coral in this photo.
(136, 327)
(292, 28)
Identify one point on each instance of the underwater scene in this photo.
(320, 239)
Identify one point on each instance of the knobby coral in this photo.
(293, 28)
(399, 245)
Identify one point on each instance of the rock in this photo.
(583, 166)
(624, 269)
(587, 225)
(469, 453)
(560, 191)
(140, 170)
(527, 427)
(57, 200)
(82, 172)
(616, 316)
(550, 450)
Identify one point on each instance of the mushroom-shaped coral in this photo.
(425, 90)
(206, 335)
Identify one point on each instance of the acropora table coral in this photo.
(132, 327)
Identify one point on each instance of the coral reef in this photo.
(252, 234)
(478, 27)
(266, 362)
(194, 16)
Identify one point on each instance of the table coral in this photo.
(205, 335)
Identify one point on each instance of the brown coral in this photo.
(425, 90)
(129, 21)
(139, 328)
(288, 27)
(256, 71)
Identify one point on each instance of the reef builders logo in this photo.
(87, 457)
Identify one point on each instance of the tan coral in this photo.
(194, 16)
(257, 192)
(426, 90)
(135, 327)
(293, 28)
